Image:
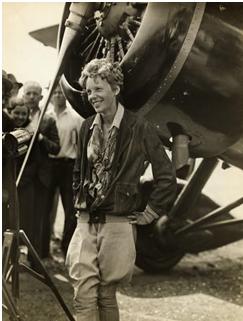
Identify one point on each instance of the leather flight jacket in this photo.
(138, 143)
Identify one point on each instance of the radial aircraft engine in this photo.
(183, 69)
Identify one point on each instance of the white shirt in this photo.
(68, 125)
(34, 121)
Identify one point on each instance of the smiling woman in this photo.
(26, 58)
(19, 112)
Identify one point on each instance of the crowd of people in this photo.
(50, 164)
(96, 164)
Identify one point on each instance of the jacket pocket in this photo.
(126, 196)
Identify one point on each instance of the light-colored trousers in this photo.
(99, 257)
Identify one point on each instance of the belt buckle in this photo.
(97, 218)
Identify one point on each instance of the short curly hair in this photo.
(111, 71)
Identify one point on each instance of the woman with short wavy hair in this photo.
(113, 147)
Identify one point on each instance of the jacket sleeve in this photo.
(164, 187)
(50, 140)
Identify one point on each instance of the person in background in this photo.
(47, 142)
(68, 125)
(21, 116)
(113, 147)
(7, 123)
(7, 126)
(16, 85)
(13, 92)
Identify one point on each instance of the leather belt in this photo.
(63, 159)
(98, 217)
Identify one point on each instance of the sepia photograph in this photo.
(122, 161)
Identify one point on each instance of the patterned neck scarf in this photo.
(101, 157)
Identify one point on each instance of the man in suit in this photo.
(47, 142)
(7, 122)
(7, 126)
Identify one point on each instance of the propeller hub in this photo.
(112, 18)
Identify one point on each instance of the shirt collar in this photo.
(116, 121)
(62, 113)
(36, 114)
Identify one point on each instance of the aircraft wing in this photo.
(47, 36)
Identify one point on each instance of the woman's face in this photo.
(20, 115)
(101, 95)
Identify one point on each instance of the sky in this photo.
(22, 55)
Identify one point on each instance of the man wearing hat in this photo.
(7, 126)
(7, 123)
(16, 85)
(13, 93)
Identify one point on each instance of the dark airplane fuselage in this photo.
(204, 100)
